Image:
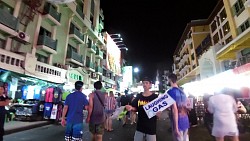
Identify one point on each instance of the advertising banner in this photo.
(159, 104)
(113, 56)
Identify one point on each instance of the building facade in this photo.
(56, 43)
(225, 46)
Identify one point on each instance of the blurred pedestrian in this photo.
(179, 117)
(74, 105)
(96, 116)
(4, 101)
(223, 107)
(110, 106)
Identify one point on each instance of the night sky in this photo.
(151, 29)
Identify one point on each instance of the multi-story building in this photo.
(56, 43)
(225, 47)
(236, 52)
(186, 64)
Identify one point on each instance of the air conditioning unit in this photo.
(22, 37)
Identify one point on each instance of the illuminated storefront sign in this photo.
(113, 56)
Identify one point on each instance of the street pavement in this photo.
(56, 133)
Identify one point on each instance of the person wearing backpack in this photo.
(179, 113)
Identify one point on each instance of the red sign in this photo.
(242, 69)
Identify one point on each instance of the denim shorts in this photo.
(74, 132)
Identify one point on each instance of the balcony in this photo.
(90, 66)
(51, 14)
(76, 35)
(12, 61)
(75, 58)
(50, 73)
(47, 44)
(98, 70)
(204, 46)
(92, 48)
(8, 23)
(99, 54)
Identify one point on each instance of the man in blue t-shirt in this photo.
(178, 114)
(74, 105)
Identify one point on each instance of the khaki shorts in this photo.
(96, 128)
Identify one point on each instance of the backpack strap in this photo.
(99, 98)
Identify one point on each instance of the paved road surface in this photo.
(56, 133)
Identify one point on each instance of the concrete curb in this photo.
(23, 128)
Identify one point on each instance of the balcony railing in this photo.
(8, 20)
(47, 41)
(80, 12)
(204, 46)
(98, 69)
(77, 33)
(49, 9)
(75, 56)
(89, 64)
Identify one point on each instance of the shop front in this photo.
(31, 98)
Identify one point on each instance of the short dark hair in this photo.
(172, 77)
(78, 85)
(98, 85)
(147, 79)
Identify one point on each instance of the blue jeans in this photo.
(74, 132)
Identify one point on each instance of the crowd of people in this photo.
(219, 116)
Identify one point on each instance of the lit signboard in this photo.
(113, 57)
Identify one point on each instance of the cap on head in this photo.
(147, 79)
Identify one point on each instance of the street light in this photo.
(136, 70)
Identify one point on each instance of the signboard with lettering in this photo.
(159, 104)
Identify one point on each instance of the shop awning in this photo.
(229, 51)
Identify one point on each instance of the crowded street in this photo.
(126, 133)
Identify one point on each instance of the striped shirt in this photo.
(110, 103)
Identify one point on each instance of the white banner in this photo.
(159, 104)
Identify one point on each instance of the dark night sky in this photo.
(151, 29)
